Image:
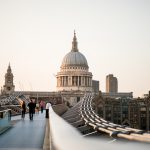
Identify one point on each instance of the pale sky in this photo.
(114, 36)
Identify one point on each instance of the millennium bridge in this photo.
(79, 128)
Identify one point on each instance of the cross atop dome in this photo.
(74, 43)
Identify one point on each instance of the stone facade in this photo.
(112, 109)
(126, 111)
(139, 113)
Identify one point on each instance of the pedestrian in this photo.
(47, 109)
(23, 109)
(31, 106)
(34, 105)
(37, 107)
(42, 106)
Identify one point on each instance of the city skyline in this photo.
(113, 36)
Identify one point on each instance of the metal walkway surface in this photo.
(25, 134)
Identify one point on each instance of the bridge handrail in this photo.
(5, 110)
(63, 136)
(10, 105)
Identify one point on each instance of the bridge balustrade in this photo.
(98, 123)
(63, 136)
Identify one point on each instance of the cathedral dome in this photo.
(74, 73)
(74, 58)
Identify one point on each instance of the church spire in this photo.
(9, 68)
(74, 43)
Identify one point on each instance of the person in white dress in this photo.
(47, 109)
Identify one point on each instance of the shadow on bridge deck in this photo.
(25, 134)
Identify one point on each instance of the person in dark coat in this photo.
(31, 106)
(23, 107)
(34, 106)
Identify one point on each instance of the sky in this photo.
(113, 35)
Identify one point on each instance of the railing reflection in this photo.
(5, 119)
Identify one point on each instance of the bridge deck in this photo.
(25, 134)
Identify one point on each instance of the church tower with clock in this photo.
(8, 87)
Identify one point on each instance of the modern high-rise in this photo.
(111, 84)
(95, 86)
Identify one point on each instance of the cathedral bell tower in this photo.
(9, 87)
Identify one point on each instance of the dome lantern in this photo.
(74, 44)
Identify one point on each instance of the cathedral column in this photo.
(60, 81)
(84, 80)
(70, 80)
(79, 80)
(64, 80)
(75, 80)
